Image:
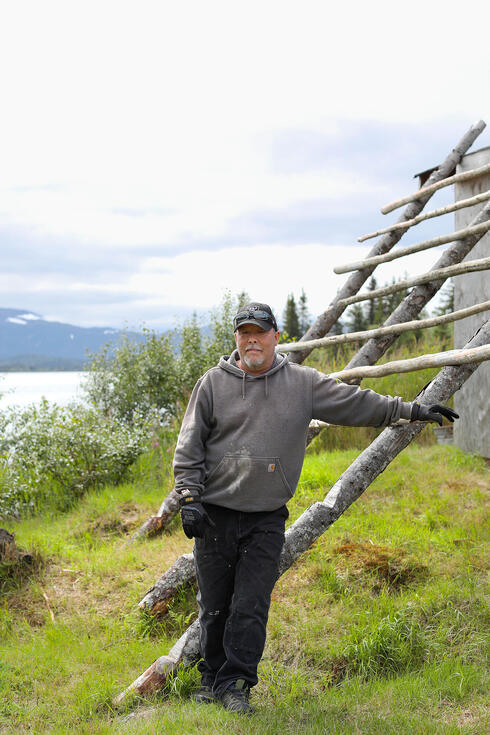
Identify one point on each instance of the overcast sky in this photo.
(156, 154)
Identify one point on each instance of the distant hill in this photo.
(29, 342)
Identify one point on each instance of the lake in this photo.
(21, 389)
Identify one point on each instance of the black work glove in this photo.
(192, 514)
(420, 412)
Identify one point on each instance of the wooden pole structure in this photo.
(431, 188)
(337, 339)
(354, 282)
(470, 266)
(416, 248)
(462, 204)
(418, 297)
(326, 320)
(320, 516)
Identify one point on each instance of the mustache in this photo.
(254, 347)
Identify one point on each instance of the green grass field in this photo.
(382, 627)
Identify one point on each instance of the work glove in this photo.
(420, 412)
(192, 514)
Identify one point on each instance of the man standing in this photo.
(237, 463)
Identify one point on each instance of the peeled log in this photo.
(319, 516)
(179, 575)
(156, 524)
(185, 651)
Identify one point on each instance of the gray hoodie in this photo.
(243, 437)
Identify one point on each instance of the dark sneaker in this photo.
(203, 695)
(235, 698)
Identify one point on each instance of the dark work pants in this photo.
(237, 566)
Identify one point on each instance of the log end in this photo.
(150, 680)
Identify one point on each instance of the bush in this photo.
(50, 456)
(159, 373)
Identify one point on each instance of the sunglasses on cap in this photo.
(254, 314)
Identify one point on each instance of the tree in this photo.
(303, 313)
(356, 321)
(290, 319)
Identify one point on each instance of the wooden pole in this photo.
(165, 588)
(416, 248)
(421, 362)
(156, 524)
(336, 339)
(470, 266)
(435, 187)
(320, 516)
(325, 321)
(462, 204)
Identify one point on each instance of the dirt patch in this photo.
(122, 520)
(391, 566)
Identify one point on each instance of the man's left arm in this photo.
(348, 405)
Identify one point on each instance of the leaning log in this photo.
(157, 523)
(184, 653)
(355, 281)
(321, 515)
(395, 329)
(432, 188)
(461, 204)
(469, 266)
(434, 242)
(158, 597)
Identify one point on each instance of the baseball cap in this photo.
(255, 313)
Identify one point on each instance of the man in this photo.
(237, 463)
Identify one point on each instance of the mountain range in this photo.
(30, 342)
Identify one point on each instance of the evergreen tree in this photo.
(303, 313)
(290, 319)
(356, 321)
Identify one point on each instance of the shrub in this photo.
(49, 456)
(159, 373)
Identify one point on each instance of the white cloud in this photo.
(129, 125)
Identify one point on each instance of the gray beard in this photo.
(254, 363)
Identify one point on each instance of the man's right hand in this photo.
(193, 515)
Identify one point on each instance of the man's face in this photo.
(256, 347)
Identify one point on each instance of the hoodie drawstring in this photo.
(244, 377)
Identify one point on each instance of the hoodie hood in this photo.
(229, 364)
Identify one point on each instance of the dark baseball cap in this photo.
(255, 313)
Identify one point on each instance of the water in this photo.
(22, 389)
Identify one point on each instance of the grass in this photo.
(380, 628)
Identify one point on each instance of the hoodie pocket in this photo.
(259, 481)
